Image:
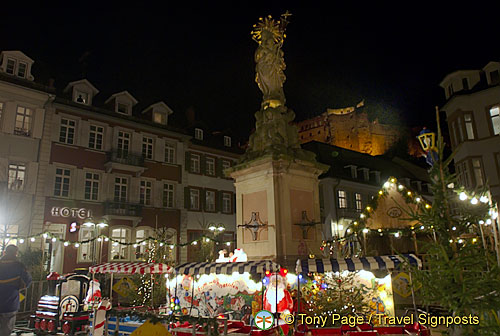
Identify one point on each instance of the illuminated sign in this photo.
(81, 213)
(74, 226)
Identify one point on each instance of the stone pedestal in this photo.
(279, 190)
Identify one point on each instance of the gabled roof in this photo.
(337, 158)
(81, 81)
(16, 54)
(454, 73)
(123, 93)
(160, 105)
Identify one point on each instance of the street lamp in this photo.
(427, 141)
(219, 227)
(90, 223)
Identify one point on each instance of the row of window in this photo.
(137, 252)
(96, 140)
(463, 128)
(121, 188)
(198, 135)
(343, 201)
(206, 165)
(209, 200)
(494, 78)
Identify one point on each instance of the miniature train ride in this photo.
(63, 309)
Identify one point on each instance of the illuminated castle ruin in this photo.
(349, 128)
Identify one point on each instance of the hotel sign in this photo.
(81, 213)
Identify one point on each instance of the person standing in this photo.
(13, 277)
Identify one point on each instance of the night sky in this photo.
(202, 56)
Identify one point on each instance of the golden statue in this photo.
(274, 134)
(270, 63)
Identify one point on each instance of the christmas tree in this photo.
(150, 287)
(462, 272)
(336, 293)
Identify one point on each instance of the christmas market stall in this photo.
(231, 289)
(357, 287)
(124, 320)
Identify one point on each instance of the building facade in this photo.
(67, 159)
(353, 179)
(112, 167)
(473, 114)
(209, 193)
(23, 105)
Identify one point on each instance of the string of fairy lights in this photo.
(360, 225)
(355, 229)
(116, 242)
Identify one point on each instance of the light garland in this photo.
(114, 242)
(359, 226)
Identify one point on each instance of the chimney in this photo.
(190, 116)
(51, 83)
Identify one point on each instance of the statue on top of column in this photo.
(270, 63)
(274, 132)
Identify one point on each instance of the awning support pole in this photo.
(413, 297)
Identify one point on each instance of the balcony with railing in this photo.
(124, 160)
(112, 208)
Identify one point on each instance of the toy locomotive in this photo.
(63, 309)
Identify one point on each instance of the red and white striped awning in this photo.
(131, 268)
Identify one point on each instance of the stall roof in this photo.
(357, 264)
(252, 267)
(131, 268)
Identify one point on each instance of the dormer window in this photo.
(377, 175)
(227, 141)
(11, 66)
(450, 90)
(82, 91)
(122, 108)
(21, 69)
(158, 113)
(160, 118)
(121, 102)
(366, 173)
(465, 83)
(494, 77)
(354, 171)
(16, 68)
(16, 63)
(82, 97)
(198, 134)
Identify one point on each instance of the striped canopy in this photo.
(356, 264)
(131, 268)
(252, 267)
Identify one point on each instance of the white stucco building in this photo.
(473, 114)
(22, 111)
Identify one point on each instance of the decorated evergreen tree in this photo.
(151, 287)
(462, 274)
(336, 293)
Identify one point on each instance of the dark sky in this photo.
(202, 55)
